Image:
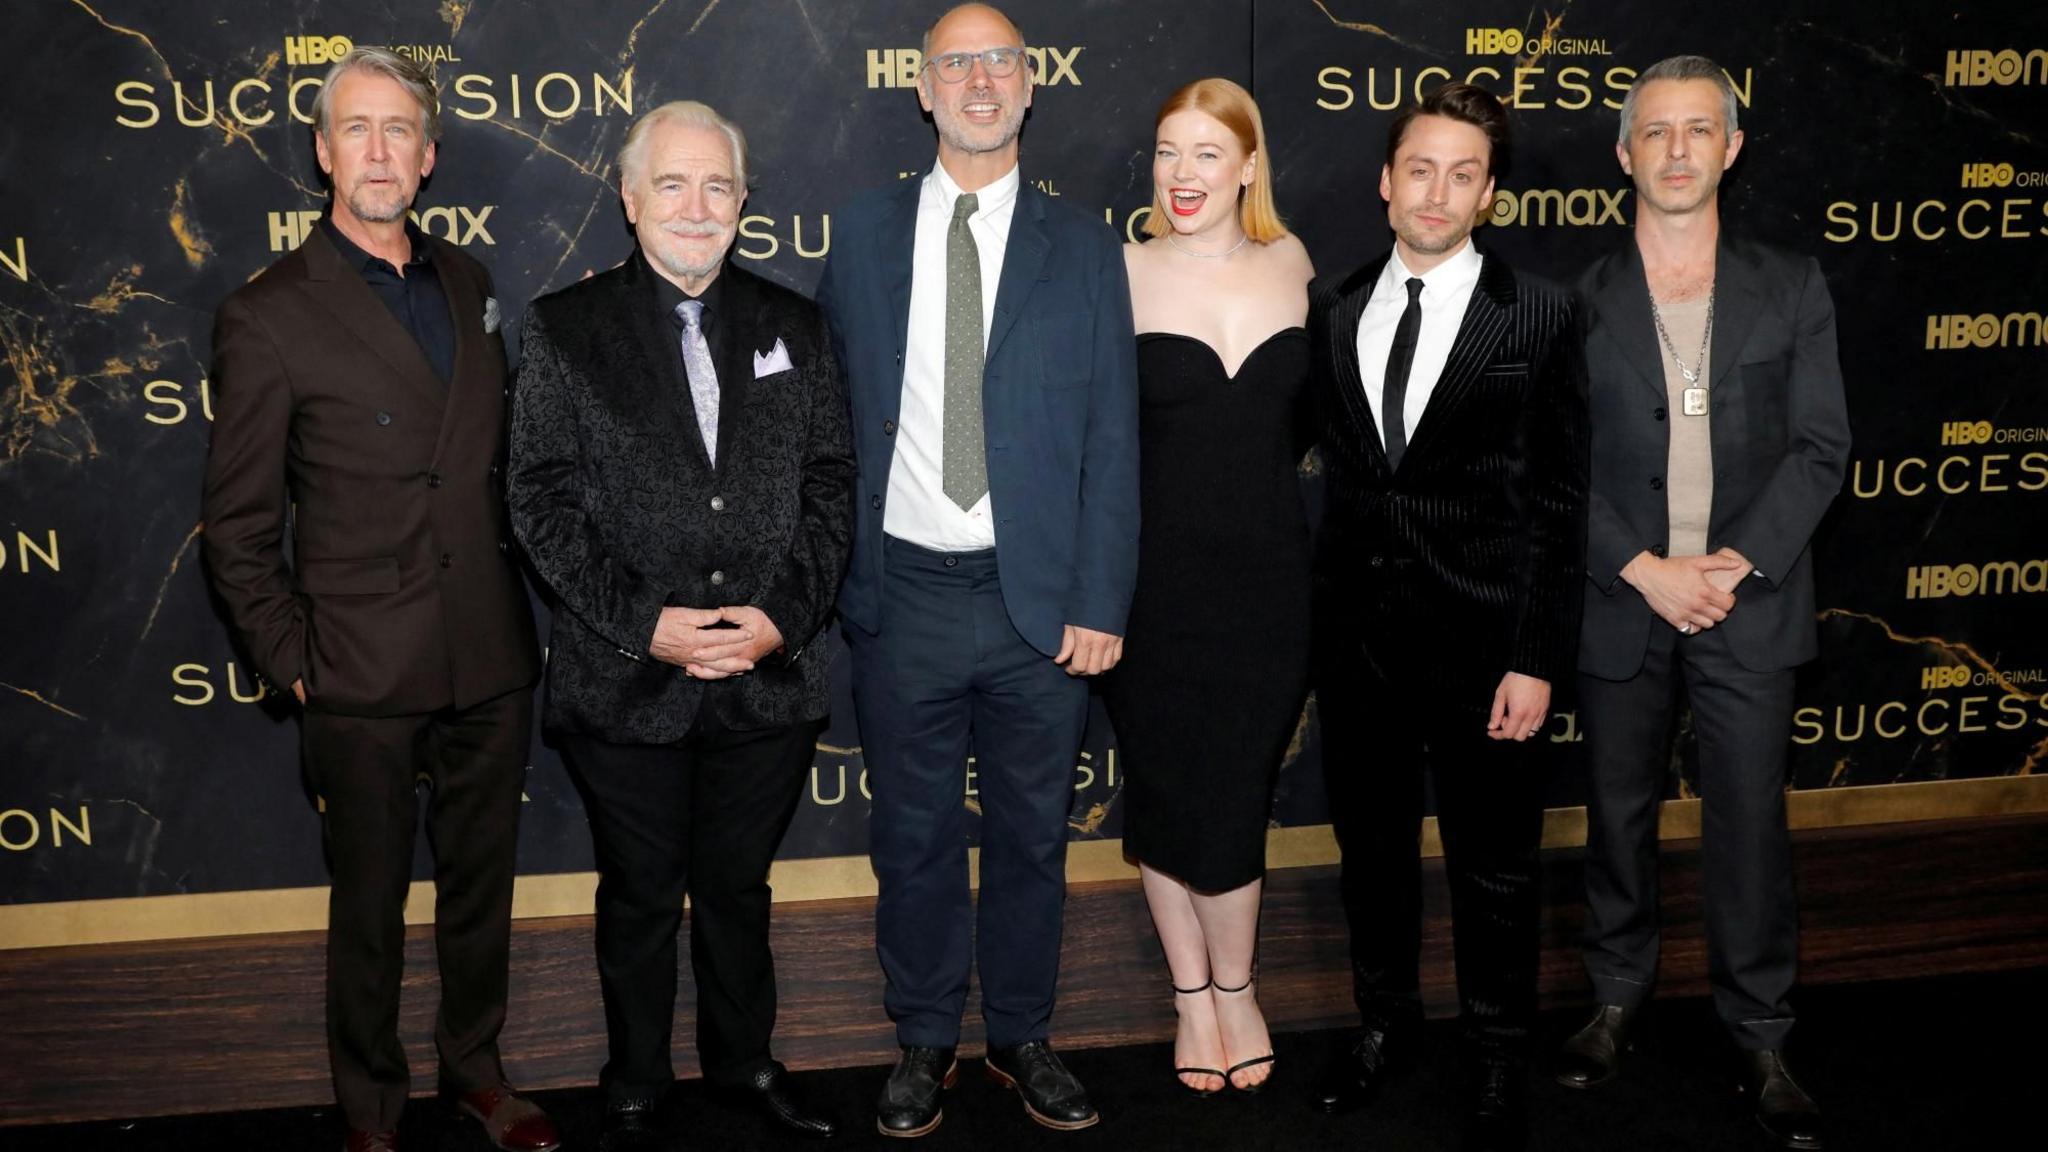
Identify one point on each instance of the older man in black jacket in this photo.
(681, 478)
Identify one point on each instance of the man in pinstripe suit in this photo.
(1447, 581)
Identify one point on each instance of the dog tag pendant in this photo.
(1695, 401)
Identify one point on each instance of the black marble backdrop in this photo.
(153, 156)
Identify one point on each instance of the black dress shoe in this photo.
(1376, 1054)
(1497, 1114)
(1051, 1094)
(629, 1126)
(772, 1093)
(1592, 1055)
(1782, 1106)
(910, 1100)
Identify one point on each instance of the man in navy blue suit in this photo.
(985, 332)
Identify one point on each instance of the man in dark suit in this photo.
(1720, 436)
(681, 480)
(1447, 595)
(986, 333)
(363, 377)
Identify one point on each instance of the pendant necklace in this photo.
(1693, 401)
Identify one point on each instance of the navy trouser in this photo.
(948, 678)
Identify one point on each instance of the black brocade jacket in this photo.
(1466, 562)
(621, 513)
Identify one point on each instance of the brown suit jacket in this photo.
(399, 594)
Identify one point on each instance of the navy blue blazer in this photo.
(1059, 406)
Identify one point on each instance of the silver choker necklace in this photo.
(1207, 255)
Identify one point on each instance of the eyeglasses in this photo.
(953, 67)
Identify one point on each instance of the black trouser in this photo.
(1379, 738)
(949, 677)
(1744, 723)
(702, 816)
(366, 771)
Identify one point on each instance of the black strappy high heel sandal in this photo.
(1254, 1061)
(1200, 1093)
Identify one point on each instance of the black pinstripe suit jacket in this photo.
(1466, 562)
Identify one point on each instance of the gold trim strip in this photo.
(146, 918)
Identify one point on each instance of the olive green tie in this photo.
(964, 466)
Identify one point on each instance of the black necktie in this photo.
(1395, 395)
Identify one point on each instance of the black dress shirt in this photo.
(416, 299)
(666, 297)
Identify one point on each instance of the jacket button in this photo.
(504, 546)
(1657, 550)
(888, 427)
(1656, 483)
(718, 503)
(447, 560)
(433, 479)
(874, 501)
(1378, 561)
(952, 561)
(717, 578)
(383, 418)
(1658, 413)
(496, 471)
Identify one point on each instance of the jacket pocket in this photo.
(366, 576)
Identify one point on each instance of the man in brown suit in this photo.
(362, 377)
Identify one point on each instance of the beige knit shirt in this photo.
(1689, 476)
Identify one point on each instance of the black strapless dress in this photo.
(1216, 655)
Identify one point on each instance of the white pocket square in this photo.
(490, 315)
(775, 360)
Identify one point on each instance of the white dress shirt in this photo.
(1446, 289)
(919, 510)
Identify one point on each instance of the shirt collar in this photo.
(361, 261)
(1454, 275)
(991, 198)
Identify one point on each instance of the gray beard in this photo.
(675, 266)
(360, 207)
(956, 137)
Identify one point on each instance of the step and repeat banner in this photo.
(157, 156)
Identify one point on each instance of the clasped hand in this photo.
(714, 643)
(1690, 593)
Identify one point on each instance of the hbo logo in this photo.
(1987, 175)
(1493, 41)
(1945, 677)
(300, 50)
(1966, 432)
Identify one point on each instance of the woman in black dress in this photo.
(1215, 664)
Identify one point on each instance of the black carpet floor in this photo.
(1933, 1064)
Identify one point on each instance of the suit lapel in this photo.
(1023, 259)
(466, 310)
(741, 327)
(1480, 332)
(1622, 308)
(659, 376)
(1737, 304)
(340, 289)
(894, 252)
(1352, 297)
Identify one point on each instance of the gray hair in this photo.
(413, 76)
(1680, 68)
(692, 113)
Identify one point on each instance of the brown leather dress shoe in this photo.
(511, 1121)
(361, 1141)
